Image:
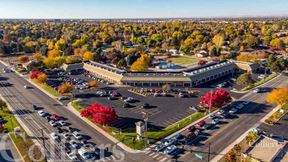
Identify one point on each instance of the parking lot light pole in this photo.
(44, 145)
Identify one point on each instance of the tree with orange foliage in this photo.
(42, 78)
(37, 56)
(92, 83)
(88, 56)
(278, 96)
(65, 88)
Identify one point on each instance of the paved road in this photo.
(21, 100)
(246, 119)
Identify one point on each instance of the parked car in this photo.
(215, 121)
(160, 147)
(72, 156)
(200, 124)
(63, 98)
(169, 141)
(26, 87)
(53, 123)
(42, 113)
(126, 105)
(54, 117)
(170, 149)
(145, 106)
(74, 144)
(233, 110)
(55, 136)
(35, 107)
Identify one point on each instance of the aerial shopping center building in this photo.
(186, 78)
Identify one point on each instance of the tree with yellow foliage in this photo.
(37, 56)
(49, 62)
(60, 44)
(141, 64)
(278, 96)
(50, 44)
(71, 59)
(88, 56)
(247, 57)
(23, 59)
(53, 53)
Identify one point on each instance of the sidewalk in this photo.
(10, 150)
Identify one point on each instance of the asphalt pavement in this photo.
(21, 100)
(245, 120)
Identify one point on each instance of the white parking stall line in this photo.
(150, 153)
(164, 159)
(156, 156)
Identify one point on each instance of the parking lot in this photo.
(163, 110)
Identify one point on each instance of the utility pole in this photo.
(43, 140)
(209, 145)
(210, 106)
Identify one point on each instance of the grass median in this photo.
(128, 136)
(47, 88)
(275, 117)
(22, 144)
(270, 77)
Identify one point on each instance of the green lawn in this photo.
(184, 60)
(277, 115)
(22, 144)
(127, 136)
(76, 105)
(47, 88)
(271, 76)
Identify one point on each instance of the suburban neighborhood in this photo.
(143, 89)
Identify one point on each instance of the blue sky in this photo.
(140, 8)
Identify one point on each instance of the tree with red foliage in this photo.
(202, 62)
(100, 114)
(34, 74)
(215, 99)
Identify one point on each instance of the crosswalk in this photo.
(175, 118)
(158, 156)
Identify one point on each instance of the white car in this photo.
(41, 113)
(63, 123)
(170, 149)
(77, 135)
(72, 156)
(26, 87)
(53, 123)
(233, 110)
(54, 136)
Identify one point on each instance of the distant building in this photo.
(186, 78)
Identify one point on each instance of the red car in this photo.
(200, 124)
(54, 117)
